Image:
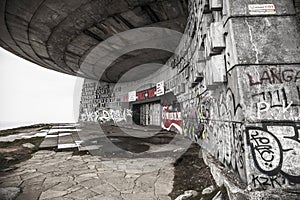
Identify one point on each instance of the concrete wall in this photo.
(248, 103)
(113, 97)
(236, 75)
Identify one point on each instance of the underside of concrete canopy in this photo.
(60, 34)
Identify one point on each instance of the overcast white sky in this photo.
(30, 93)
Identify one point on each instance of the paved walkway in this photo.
(59, 175)
(54, 175)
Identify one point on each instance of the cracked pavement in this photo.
(61, 175)
(67, 175)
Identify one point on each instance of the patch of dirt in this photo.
(10, 149)
(191, 173)
(12, 153)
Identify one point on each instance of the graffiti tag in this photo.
(275, 149)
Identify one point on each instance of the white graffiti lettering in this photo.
(106, 115)
(265, 106)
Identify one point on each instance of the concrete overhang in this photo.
(61, 34)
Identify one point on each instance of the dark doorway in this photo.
(136, 114)
(147, 113)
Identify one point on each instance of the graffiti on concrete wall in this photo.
(275, 150)
(117, 116)
(275, 76)
(264, 181)
(224, 134)
(283, 102)
(211, 120)
(230, 148)
(196, 117)
(271, 99)
(233, 150)
(204, 112)
(107, 115)
(171, 114)
(229, 108)
(87, 116)
(192, 126)
(274, 93)
(172, 118)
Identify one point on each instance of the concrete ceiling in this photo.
(60, 34)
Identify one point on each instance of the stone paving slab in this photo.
(62, 137)
(89, 148)
(49, 142)
(61, 175)
(107, 175)
(72, 126)
(60, 130)
(66, 141)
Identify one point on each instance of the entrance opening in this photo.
(147, 114)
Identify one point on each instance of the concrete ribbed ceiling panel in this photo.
(60, 34)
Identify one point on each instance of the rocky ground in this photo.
(15, 149)
(152, 167)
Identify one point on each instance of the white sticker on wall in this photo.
(160, 88)
(261, 9)
(132, 96)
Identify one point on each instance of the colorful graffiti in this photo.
(191, 121)
(196, 117)
(275, 148)
(171, 113)
(222, 134)
(171, 119)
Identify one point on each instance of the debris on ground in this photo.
(208, 190)
(187, 194)
(191, 173)
(17, 151)
(9, 193)
(28, 146)
(218, 196)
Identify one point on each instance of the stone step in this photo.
(63, 130)
(50, 141)
(64, 127)
(66, 141)
(57, 138)
(89, 147)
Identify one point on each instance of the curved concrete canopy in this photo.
(60, 34)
